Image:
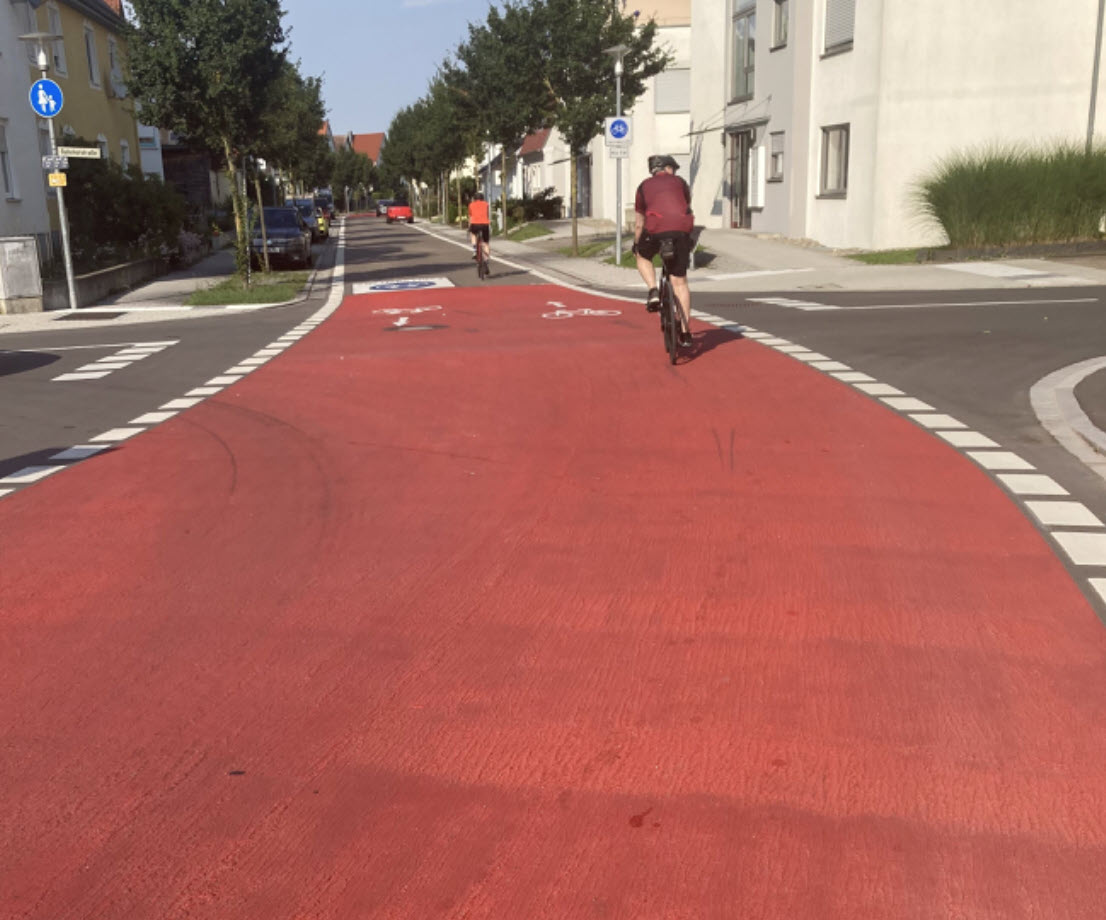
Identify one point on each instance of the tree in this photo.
(501, 78)
(289, 136)
(351, 170)
(577, 73)
(204, 68)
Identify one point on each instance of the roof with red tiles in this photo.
(369, 144)
(534, 142)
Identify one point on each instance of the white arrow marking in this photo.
(402, 321)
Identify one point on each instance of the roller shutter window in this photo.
(673, 91)
(835, 161)
(775, 161)
(840, 17)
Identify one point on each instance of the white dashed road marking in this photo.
(124, 357)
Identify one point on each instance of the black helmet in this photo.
(660, 161)
(479, 196)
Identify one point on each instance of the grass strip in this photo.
(274, 287)
(889, 257)
(528, 232)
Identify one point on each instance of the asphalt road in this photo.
(502, 615)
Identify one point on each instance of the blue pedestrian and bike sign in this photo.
(619, 129)
(46, 98)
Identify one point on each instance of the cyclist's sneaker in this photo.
(653, 303)
(685, 340)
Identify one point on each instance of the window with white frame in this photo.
(30, 21)
(90, 53)
(7, 180)
(114, 64)
(124, 154)
(775, 156)
(54, 15)
(779, 23)
(672, 91)
(840, 18)
(743, 49)
(835, 161)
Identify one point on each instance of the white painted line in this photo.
(1063, 514)
(30, 474)
(1099, 584)
(878, 389)
(831, 366)
(80, 452)
(1031, 484)
(810, 356)
(222, 381)
(247, 362)
(775, 341)
(267, 352)
(4, 492)
(152, 418)
(88, 376)
(132, 353)
(852, 377)
(118, 434)
(278, 347)
(753, 334)
(104, 365)
(183, 403)
(204, 391)
(1082, 548)
(907, 404)
(239, 369)
(968, 439)
(792, 349)
(976, 303)
(936, 421)
(999, 460)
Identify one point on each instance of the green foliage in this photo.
(289, 135)
(352, 170)
(1016, 196)
(527, 232)
(274, 287)
(545, 205)
(116, 215)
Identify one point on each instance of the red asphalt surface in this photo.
(513, 620)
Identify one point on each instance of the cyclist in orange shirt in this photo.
(480, 225)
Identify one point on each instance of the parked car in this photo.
(382, 207)
(400, 210)
(306, 206)
(288, 235)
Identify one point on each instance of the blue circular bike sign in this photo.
(46, 98)
(619, 129)
(402, 285)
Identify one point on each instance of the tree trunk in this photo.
(261, 219)
(237, 203)
(459, 212)
(572, 201)
(503, 185)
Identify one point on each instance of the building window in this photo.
(835, 160)
(147, 138)
(102, 143)
(840, 16)
(7, 180)
(90, 53)
(779, 24)
(672, 91)
(744, 49)
(31, 25)
(124, 154)
(59, 46)
(775, 157)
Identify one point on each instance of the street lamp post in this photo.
(1094, 76)
(618, 52)
(42, 61)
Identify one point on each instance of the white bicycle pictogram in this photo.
(563, 312)
(397, 311)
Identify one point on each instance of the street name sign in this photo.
(618, 130)
(80, 153)
(46, 98)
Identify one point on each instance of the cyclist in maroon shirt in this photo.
(662, 208)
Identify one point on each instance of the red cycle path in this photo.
(510, 619)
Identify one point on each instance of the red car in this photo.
(400, 210)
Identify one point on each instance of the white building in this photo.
(816, 119)
(22, 180)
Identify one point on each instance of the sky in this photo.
(375, 56)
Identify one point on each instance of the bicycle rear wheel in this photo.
(481, 265)
(672, 321)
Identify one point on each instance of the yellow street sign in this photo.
(57, 180)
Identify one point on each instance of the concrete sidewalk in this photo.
(739, 260)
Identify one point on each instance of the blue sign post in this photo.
(46, 98)
(619, 129)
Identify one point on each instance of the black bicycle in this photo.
(481, 260)
(670, 307)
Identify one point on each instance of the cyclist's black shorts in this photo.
(481, 230)
(649, 246)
